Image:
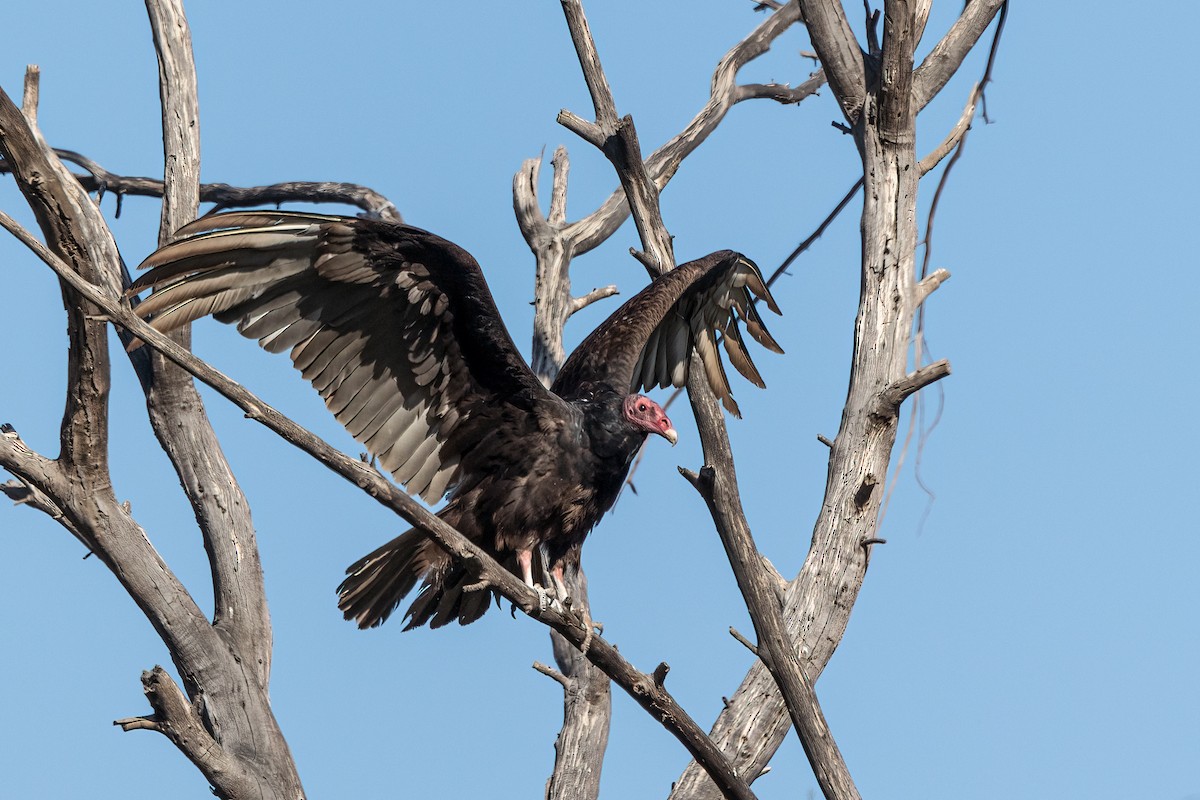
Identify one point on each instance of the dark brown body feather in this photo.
(396, 328)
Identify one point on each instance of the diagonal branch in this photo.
(955, 135)
(652, 697)
(106, 528)
(617, 139)
(947, 55)
(816, 234)
(75, 231)
(717, 485)
(840, 52)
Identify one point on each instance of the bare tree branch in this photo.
(180, 115)
(896, 72)
(955, 134)
(551, 672)
(930, 283)
(176, 718)
(717, 485)
(23, 494)
(553, 251)
(895, 394)
(780, 92)
(948, 54)
(816, 234)
(587, 710)
(816, 609)
(922, 19)
(33, 470)
(87, 244)
(18, 459)
(29, 98)
(590, 231)
(224, 196)
(207, 665)
(583, 301)
(840, 54)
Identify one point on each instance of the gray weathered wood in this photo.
(554, 242)
(880, 110)
(220, 718)
(234, 690)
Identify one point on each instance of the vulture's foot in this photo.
(589, 633)
(590, 628)
(583, 618)
(546, 598)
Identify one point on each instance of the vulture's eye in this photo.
(642, 407)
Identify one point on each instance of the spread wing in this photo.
(394, 326)
(648, 341)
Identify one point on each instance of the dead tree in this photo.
(218, 713)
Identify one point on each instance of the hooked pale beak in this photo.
(670, 435)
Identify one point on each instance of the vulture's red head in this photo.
(644, 413)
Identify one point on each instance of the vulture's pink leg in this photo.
(525, 559)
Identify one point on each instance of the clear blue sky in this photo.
(1036, 637)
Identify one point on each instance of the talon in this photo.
(587, 640)
(589, 630)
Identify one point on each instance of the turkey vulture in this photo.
(397, 330)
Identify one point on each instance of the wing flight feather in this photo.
(648, 341)
(394, 326)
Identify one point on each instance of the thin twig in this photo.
(749, 645)
(224, 196)
(551, 672)
(955, 140)
(812, 237)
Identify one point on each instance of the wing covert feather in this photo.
(648, 341)
(394, 326)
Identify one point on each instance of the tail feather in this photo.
(447, 600)
(376, 583)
